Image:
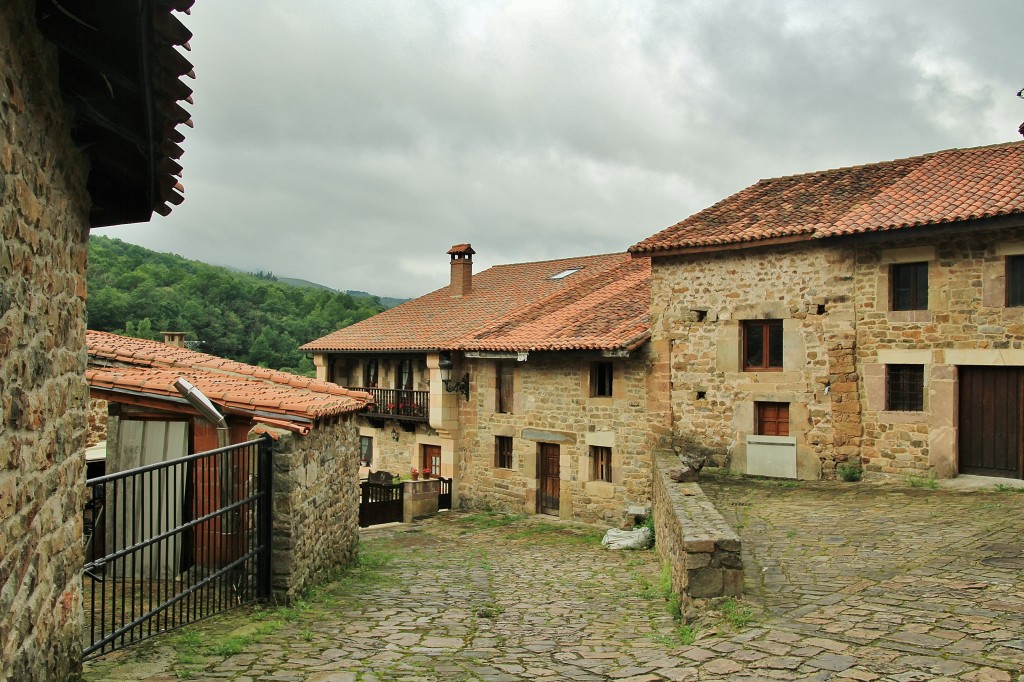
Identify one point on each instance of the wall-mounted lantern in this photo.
(461, 386)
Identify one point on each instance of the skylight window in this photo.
(565, 273)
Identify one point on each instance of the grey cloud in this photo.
(352, 142)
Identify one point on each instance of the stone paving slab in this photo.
(847, 581)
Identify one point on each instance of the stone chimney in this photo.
(462, 270)
(176, 339)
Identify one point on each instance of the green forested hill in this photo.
(244, 317)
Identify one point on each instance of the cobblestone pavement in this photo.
(844, 582)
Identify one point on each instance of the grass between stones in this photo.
(199, 646)
(708, 618)
(928, 482)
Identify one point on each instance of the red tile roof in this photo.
(943, 187)
(150, 367)
(603, 306)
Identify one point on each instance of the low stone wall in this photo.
(316, 505)
(420, 499)
(693, 538)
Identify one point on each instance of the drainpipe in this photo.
(199, 401)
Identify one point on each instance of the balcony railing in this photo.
(392, 403)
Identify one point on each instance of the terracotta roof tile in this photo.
(943, 187)
(602, 306)
(151, 367)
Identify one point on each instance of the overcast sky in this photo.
(352, 143)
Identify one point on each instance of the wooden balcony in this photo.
(392, 403)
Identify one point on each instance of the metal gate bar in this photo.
(175, 542)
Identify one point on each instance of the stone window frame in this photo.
(602, 379)
(500, 453)
(899, 395)
(601, 463)
(767, 325)
(883, 287)
(914, 270)
(875, 384)
(506, 404)
(761, 406)
(1014, 280)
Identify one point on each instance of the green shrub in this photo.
(849, 472)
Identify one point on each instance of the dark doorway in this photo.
(990, 421)
(549, 478)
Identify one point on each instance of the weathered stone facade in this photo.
(840, 336)
(702, 552)
(699, 304)
(552, 404)
(967, 324)
(316, 504)
(97, 425)
(44, 210)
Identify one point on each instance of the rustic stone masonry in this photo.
(552, 404)
(699, 304)
(44, 216)
(967, 324)
(701, 549)
(97, 426)
(316, 504)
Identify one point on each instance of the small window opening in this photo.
(702, 395)
(564, 273)
(821, 308)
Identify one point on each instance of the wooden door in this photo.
(990, 424)
(432, 459)
(549, 478)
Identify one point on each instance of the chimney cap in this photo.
(461, 249)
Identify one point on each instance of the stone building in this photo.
(316, 490)
(88, 107)
(869, 315)
(545, 406)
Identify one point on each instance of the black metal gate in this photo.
(444, 498)
(380, 503)
(174, 542)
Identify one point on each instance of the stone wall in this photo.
(316, 504)
(699, 303)
(552, 404)
(700, 548)
(44, 216)
(97, 424)
(967, 324)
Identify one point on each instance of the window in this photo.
(772, 419)
(601, 463)
(909, 284)
(370, 374)
(431, 461)
(365, 451)
(403, 378)
(1015, 281)
(762, 345)
(564, 273)
(601, 379)
(504, 387)
(904, 388)
(503, 452)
